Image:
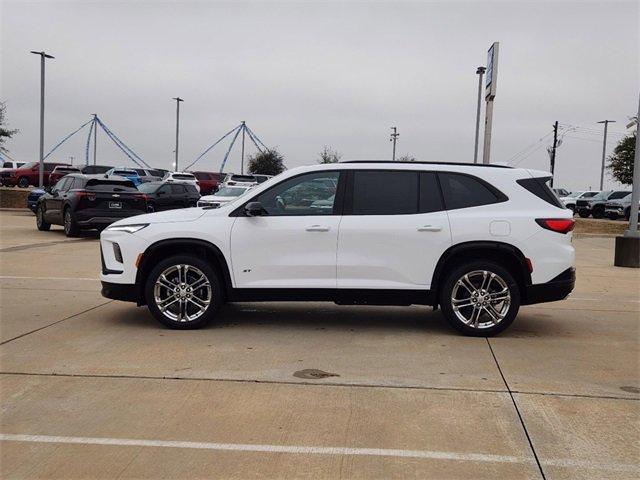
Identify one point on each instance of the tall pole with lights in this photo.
(178, 100)
(480, 71)
(43, 56)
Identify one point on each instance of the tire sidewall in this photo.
(21, 183)
(40, 221)
(216, 290)
(456, 273)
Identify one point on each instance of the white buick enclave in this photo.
(478, 241)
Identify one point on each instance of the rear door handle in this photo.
(430, 228)
(318, 228)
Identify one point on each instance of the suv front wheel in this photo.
(183, 292)
(480, 298)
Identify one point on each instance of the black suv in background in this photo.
(595, 205)
(167, 196)
(95, 169)
(80, 201)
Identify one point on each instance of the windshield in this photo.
(230, 192)
(148, 187)
(29, 165)
(124, 172)
(98, 184)
(183, 176)
(601, 196)
(140, 171)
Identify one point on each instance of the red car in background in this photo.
(60, 171)
(28, 174)
(208, 181)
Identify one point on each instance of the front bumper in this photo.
(556, 289)
(121, 291)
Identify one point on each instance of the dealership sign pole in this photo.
(491, 83)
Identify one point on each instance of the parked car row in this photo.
(612, 204)
(595, 205)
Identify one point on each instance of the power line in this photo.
(524, 150)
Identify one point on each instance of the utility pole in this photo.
(480, 71)
(394, 137)
(95, 137)
(604, 149)
(554, 149)
(242, 155)
(41, 170)
(490, 95)
(178, 100)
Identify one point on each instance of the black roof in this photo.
(430, 163)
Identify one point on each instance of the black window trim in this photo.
(338, 204)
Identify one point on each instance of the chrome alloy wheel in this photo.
(39, 216)
(182, 293)
(481, 299)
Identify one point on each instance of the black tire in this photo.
(40, 221)
(485, 327)
(23, 182)
(572, 208)
(627, 214)
(598, 212)
(215, 295)
(71, 228)
(583, 214)
(151, 207)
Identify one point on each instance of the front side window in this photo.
(307, 194)
(384, 192)
(463, 191)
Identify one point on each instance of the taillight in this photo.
(90, 196)
(559, 225)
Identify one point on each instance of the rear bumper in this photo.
(556, 289)
(121, 291)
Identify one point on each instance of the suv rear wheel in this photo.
(71, 228)
(183, 292)
(480, 298)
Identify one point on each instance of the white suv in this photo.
(478, 241)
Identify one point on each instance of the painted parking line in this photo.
(301, 449)
(6, 277)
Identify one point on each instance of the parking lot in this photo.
(93, 388)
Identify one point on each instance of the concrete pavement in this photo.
(93, 388)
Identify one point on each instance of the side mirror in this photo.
(54, 192)
(254, 209)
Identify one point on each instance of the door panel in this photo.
(391, 251)
(285, 252)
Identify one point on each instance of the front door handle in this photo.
(430, 228)
(318, 228)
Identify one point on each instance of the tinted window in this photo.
(616, 195)
(177, 189)
(381, 192)
(165, 189)
(191, 189)
(308, 194)
(63, 184)
(78, 183)
(202, 176)
(110, 185)
(7, 165)
(540, 188)
(183, 176)
(430, 197)
(156, 173)
(463, 191)
(93, 169)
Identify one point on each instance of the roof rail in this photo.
(430, 163)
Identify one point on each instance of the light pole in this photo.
(480, 71)
(604, 150)
(95, 137)
(394, 137)
(242, 155)
(178, 100)
(41, 170)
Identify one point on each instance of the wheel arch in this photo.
(176, 246)
(505, 254)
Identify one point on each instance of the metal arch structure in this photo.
(94, 123)
(236, 131)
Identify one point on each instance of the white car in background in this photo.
(182, 177)
(570, 200)
(223, 196)
(233, 179)
(10, 165)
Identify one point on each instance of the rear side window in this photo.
(7, 165)
(617, 195)
(538, 186)
(191, 189)
(177, 189)
(384, 192)
(464, 191)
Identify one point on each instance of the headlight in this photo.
(127, 228)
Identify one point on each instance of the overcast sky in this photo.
(308, 74)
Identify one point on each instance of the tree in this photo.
(5, 133)
(407, 158)
(269, 162)
(621, 162)
(328, 155)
